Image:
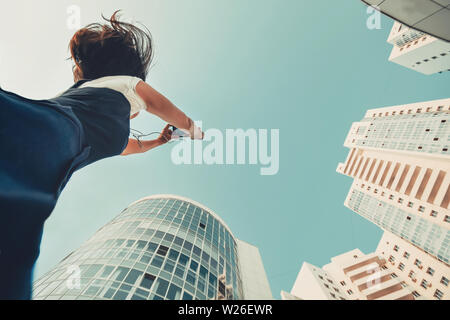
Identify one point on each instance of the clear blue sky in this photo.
(308, 68)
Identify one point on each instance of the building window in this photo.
(147, 281)
(438, 294)
(418, 263)
(444, 281)
(430, 271)
(424, 284)
(162, 250)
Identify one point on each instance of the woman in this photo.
(44, 141)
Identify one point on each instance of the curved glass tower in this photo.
(160, 247)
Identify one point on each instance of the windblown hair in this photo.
(111, 49)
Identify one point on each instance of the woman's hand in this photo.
(135, 146)
(166, 135)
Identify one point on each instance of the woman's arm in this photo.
(134, 146)
(160, 106)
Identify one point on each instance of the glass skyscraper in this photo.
(159, 248)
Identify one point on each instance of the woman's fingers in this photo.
(166, 134)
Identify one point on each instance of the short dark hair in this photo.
(111, 49)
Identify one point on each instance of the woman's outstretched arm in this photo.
(134, 146)
(160, 106)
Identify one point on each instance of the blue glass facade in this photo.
(158, 248)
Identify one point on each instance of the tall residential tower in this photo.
(399, 160)
(161, 247)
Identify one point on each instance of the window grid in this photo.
(183, 248)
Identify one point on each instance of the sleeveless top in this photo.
(103, 106)
(43, 143)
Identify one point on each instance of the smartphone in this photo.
(178, 134)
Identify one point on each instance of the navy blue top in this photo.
(43, 143)
(104, 115)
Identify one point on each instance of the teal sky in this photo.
(308, 68)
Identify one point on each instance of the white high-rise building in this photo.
(314, 283)
(397, 270)
(418, 51)
(162, 247)
(428, 276)
(400, 161)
